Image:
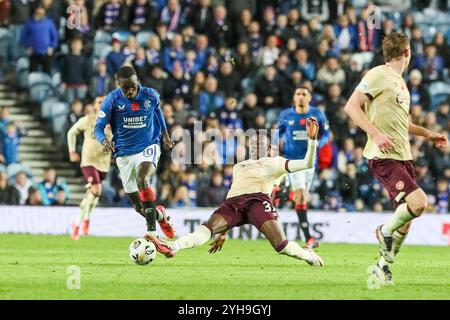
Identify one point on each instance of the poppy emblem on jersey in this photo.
(135, 106)
(302, 122)
(399, 185)
(147, 104)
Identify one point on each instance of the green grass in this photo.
(35, 267)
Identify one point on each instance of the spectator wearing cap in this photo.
(209, 99)
(418, 92)
(202, 16)
(141, 15)
(172, 15)
(228, 115)
(53, 191)
(75, 72)
(111, 15)
(174, 53)
(115, 59)
(220, 30)
(40, 38)
(100, 82)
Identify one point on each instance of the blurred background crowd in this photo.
(231, 64)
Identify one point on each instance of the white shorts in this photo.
(128, 166)
(301, 179)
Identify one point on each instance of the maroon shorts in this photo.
(92, 175)
(255, 208)
(398, 177)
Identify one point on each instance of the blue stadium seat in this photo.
(143, 36)
(46, 107)
(6, 40)
(14, 168)
(101, 49)
(22, 66)
(102, 36)
(40, 92)
(439, 91)
(56, 79)
(58, 115)
(38, 78)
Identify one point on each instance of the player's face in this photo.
(129, 86)
(259, 146)
(301, 97)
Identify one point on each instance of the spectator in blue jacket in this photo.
(209, 98)
(174, 53)
(116, 58)
(53, 191)
(40, 38)
(11, 140)
(346, 34)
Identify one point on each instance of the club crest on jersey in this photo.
(399, 185)
(135, 106)
(147, 104)
(101, 114)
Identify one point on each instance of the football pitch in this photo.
(43, 267)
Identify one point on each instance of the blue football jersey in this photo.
(135, 124)
(292, 126)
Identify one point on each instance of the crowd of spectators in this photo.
(233, 64)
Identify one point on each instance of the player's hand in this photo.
(439, 140)
(384, 142)
(107, 146)
(217, 244)
(74, 157)
(312, 127)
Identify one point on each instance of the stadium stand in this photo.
(223, 44)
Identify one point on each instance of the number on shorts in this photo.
(268, 206)
(149, 152)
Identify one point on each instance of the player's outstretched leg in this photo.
(273, 231)
(75, 235)
(216, 224)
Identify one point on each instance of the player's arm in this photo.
(354, 109)
(438, 139)
(102, 120)
(218, 242)
(312, 127)
(75, 130)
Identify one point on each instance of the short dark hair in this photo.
(125, 72)
(394, 46)
(302, 86)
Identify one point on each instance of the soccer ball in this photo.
(142, 251)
